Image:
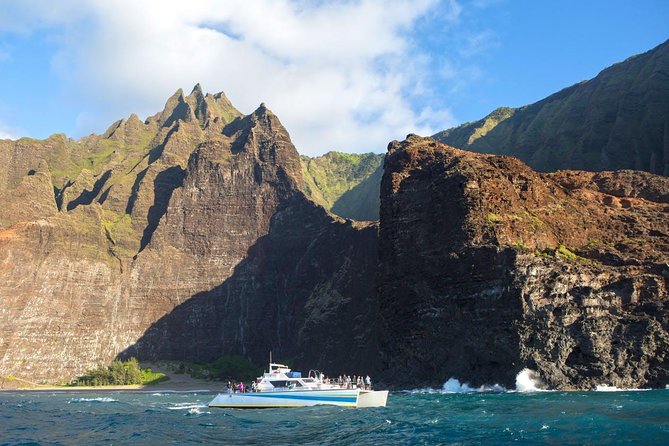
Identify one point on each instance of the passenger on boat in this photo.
(229, 387)
(368, 382)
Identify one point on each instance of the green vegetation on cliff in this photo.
(119, 373)
(233, 367)
(346, 184)
(617, 120)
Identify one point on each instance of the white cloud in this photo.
(6, 132)
(339, 74)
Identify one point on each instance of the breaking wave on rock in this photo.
(453, 385)
(527, 380)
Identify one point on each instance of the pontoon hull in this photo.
(298, 398)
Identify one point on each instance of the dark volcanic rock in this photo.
(487, 267)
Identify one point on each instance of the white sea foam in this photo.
(453, 385)
(528, 380)
(188, 406)
(607, 388)
(96, 400)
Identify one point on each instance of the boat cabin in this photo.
(281, 377)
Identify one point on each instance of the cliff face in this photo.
(618, 120)
(488, 267)
(186, 236)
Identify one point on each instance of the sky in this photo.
(347, 75)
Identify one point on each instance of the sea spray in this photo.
(453, 385)
(528, 380)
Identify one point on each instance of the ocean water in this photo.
(426, 416)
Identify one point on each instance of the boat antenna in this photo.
(270, 361)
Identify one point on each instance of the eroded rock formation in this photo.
(186, 236)
(488, 267)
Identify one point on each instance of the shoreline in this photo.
(176, 383)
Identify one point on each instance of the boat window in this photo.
(308, 380)
(279, 383)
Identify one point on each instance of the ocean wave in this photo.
(198, 410)
(93, 400)
(607, 388)
(453, 385)
(188, 406)
(527, 380)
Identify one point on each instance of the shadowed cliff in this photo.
(303, 292)
(487, 267)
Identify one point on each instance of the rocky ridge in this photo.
(189, 236)
(617, 120)
(190, 226)
(487, 267)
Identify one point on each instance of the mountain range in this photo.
(200, 232)
(617, 120)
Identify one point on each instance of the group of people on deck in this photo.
(344, 381)
(357, 382)
(241, 388)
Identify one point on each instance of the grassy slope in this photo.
(346, 184)
(618, 120)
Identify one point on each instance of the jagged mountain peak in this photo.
(262, 135)
(197, 106)
(197, 90)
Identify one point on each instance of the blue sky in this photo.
(341, 75)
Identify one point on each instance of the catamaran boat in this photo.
(281, 387)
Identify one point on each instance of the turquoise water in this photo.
(77, 418)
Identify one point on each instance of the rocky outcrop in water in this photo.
(186, 236)
(488, 267)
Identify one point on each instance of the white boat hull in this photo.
(301, 398)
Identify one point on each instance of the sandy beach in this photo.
(177, 383)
